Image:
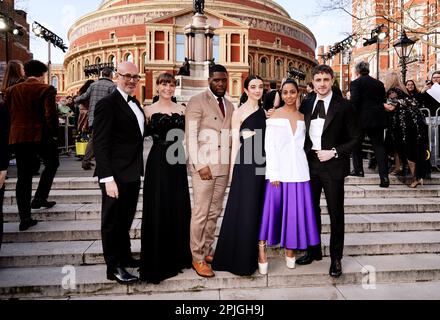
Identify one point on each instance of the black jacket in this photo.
(368, 96)
(341, 131)
(118, 142)
(430, 103)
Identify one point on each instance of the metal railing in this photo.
(67, 144)
(433, 135)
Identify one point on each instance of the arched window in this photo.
(112, 59)
(251, 65)
(72, 76)
(79, 72)
(54, 82)
(86, 63)
(143, 62)
(97, 60)
(279, 69)
(128, 57)
(235, 88)
(263, 68)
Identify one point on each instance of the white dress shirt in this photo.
(216, 99)
(317, 125)
(140, 119)
(286, 159)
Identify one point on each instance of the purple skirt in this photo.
(288, 216)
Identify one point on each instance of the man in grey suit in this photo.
(98, 90)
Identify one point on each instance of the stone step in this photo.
(94, 196)
(78, 230)
(383, 291)
(50, 231)
(82, 183)
(90, 252)
(81, 281)
(352, 206)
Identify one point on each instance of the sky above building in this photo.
(59, 15)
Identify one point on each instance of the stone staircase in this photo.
(392, 237)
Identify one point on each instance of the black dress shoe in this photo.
(122, 276)
(37, 204)
(335, 269)
(132, 263)
(308, 258)
(26, 224)
(357, 174)
(384, 182)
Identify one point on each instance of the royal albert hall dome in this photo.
(250, 37)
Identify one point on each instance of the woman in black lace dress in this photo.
(165, 250)
(408, 128)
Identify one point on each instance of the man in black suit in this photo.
(368, 96)
(331, 134)
(119, 128)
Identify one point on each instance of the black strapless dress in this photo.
(165, 249)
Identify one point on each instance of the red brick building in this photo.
(251, 36)
(420, 19)
(17, 46)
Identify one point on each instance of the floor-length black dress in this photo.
(165, 249)
(237, 246)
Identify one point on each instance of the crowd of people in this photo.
(277, 153)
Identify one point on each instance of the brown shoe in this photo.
(209, 259)
(202, 269)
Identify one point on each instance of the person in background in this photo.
(428, 101)
(34, 131)
(367, 97)
(271, 98)
(98, 90)
(409, 129)
(14, 74)
(414, 92)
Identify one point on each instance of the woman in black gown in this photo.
(408, 128)
(165, 250)
(237, 246)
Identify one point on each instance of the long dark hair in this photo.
(85, 87)
(12, 74)
(415, 87)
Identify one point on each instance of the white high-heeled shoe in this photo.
(290, 262)
(262, 267)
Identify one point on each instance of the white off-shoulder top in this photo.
(286, 160)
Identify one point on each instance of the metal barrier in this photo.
(66, 140)
(433, 135)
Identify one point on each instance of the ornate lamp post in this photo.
(403, 49)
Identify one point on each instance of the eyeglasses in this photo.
(128, 77)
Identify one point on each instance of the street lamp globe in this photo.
(404, 46)
(3, 24)
(403, 49)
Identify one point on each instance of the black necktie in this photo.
(130, 98)
(221, 105)
(319, 110)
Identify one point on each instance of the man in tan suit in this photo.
(208, 125)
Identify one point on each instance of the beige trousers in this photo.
(208, 204)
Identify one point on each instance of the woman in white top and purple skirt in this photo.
(288, 214)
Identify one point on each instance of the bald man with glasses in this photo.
(119, 128)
